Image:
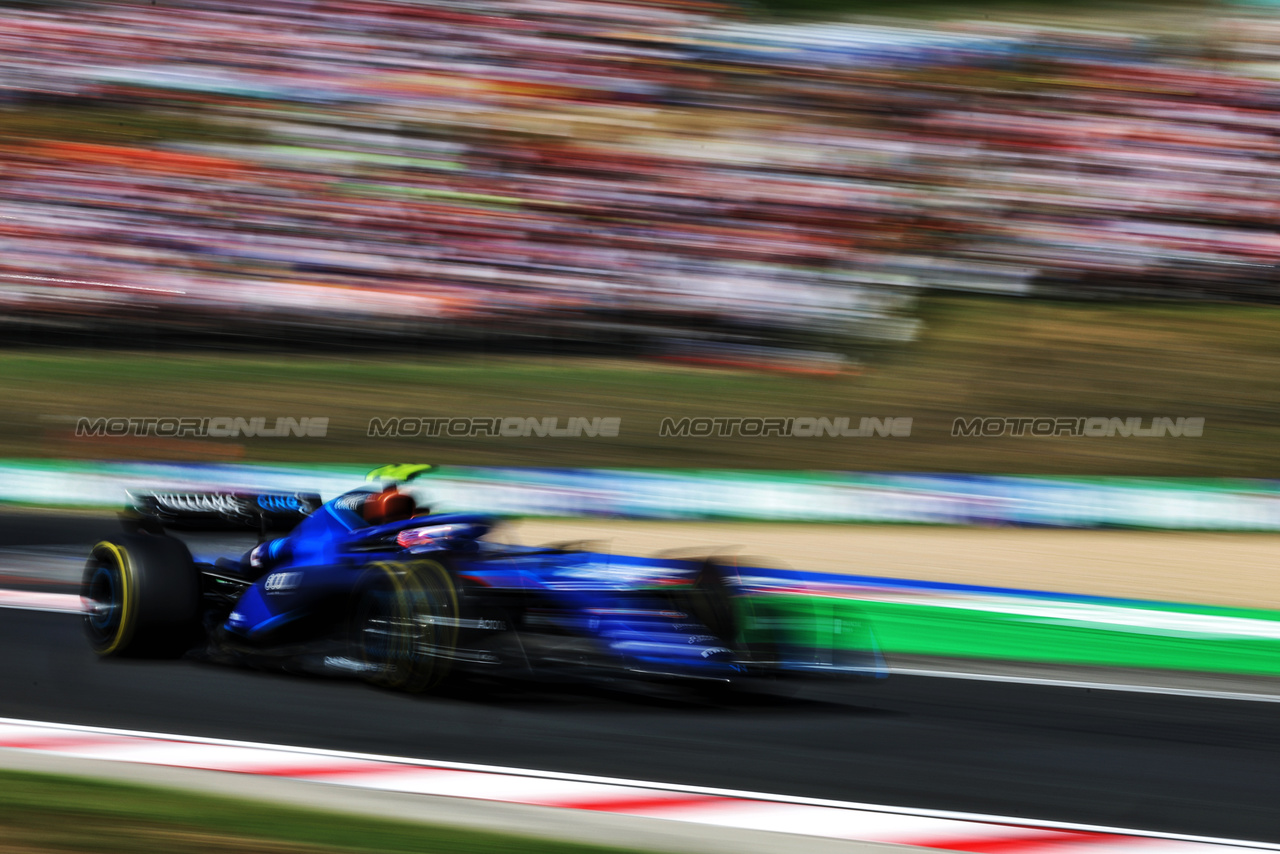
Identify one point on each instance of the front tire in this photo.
(142, 595)
(404, 625)
(712, 602)
(717, 600)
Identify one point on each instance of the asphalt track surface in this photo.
(1175, 764)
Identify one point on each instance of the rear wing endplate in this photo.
(228, 511)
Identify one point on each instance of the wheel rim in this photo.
(382, 633)
(105, 606)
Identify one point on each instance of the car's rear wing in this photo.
(227, 511)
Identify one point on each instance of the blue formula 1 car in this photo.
(372, 585)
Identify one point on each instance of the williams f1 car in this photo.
(371, 584)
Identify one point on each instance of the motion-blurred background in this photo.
(643, 210)
(914, 213)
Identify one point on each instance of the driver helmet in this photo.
(389, 505)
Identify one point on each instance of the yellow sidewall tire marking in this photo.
(129, 601)
(427, 674)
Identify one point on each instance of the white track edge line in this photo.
(1072, 683)
(615, 781)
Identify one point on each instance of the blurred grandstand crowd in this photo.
(613, 171)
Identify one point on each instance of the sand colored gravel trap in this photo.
(1210, 568)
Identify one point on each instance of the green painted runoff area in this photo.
(1228, 641)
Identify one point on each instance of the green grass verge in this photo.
(42, 812)
(976, 357)
(117, 126)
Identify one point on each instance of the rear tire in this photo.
(404, 625)
(143, 597)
